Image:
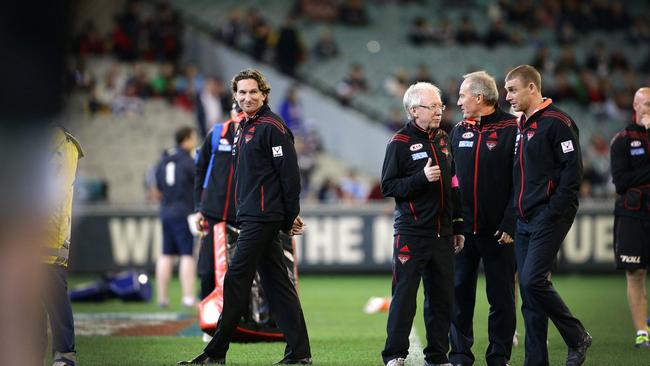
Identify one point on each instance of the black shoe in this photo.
(295, 361)
(204, 359)
(578, 355)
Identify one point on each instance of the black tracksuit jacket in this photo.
(216, 199)
(483, 154)
(422, 208)
(631, 172)
(548, 164)
(267, 180)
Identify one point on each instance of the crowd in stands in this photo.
(603, 81)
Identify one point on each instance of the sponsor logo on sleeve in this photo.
(567, 146)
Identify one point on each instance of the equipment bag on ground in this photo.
(257, 324)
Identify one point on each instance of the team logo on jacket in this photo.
(248, 137)
(530, 134)
(468, 135)
(635, 143)
(277, 151)
(415, 147)
(491, 144)
(403, 258)
(494, 135)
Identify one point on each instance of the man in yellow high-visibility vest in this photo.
(65, 153)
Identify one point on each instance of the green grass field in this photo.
(341, 334)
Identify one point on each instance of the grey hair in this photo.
(413, 97)
(481, 83)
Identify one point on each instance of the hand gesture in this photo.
(298, 227)
(504, 238)
(459, 243)
(432, 172)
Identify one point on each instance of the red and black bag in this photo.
(257, 324)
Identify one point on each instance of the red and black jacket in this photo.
(631, 172)
(483, 154)
(215, 198)
(266, 170)
(548, 164)
(422, 208)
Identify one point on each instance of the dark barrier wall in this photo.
(337, 239)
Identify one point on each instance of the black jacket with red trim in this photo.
(483, 154)
(422, 208)
(631, 172)
(215, 197)
(266, 170)
(548, 164)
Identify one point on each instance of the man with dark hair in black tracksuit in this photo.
(267, 186)
(418, 172)
(631, 176)
(214, 192)
(547, 177)
(482, 145)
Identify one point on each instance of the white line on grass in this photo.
(416, 357)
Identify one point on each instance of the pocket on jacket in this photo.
(632, 199)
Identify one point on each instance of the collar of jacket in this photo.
(635, 127)
(484, 120)
(417, 131)
(545, 104)
(261, 111)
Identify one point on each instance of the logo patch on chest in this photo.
(635, 143)
(530, 134)
(277, 151)
(420, 155)
(468, 135)
(636, 152)
(465, 143)
(415, 147)
(491, 144)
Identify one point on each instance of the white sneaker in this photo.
(396, 362)
(189, 302)
(206, 338)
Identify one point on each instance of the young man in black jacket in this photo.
(631, 176)
(547, 177)
(267, 188)
(214, 191)
(419, 173)
(482, 145)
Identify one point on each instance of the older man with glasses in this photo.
(419, 173)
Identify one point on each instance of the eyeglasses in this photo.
(442, 107)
